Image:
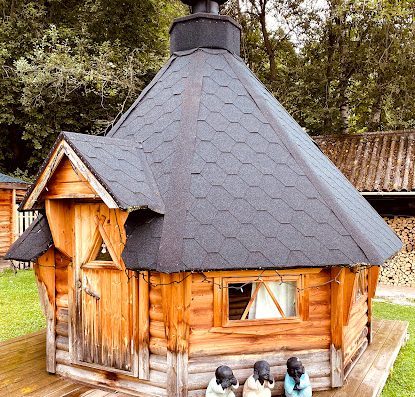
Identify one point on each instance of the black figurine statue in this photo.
(297, 382)
(223, 384)
(260, 383)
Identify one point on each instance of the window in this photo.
(250, 301)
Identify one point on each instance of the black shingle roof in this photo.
(34, 241)
(119, 165)
(10, 179)
(243, 185)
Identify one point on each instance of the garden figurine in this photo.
(260, 383)
(296, 383)
(223, 384)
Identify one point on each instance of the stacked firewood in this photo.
(400, 270)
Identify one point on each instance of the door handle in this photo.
(92, 293)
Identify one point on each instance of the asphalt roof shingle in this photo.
(244, 186)
(34, 241)
(10, 179)
(121, 167)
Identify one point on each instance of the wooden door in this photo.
(105, 297)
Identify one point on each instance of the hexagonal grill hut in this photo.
(206, 228)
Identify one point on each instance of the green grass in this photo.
(401, 381)
(20, 311)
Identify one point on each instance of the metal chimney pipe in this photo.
(206, 6)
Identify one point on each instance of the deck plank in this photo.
(369, 375)
(376, 378)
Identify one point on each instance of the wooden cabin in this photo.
(12, 191)
(381, 165)
(206, 228)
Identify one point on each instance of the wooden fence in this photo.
(23, 221)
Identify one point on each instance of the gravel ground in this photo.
(395, 294)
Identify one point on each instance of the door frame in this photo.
(75, 300)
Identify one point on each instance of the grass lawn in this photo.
(20, 311)
(401, 382)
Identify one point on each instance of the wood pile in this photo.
(400, 270)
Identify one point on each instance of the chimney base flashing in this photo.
(204, 30)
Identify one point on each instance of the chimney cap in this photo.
(209, 6)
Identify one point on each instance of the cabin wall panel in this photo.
(201, 369)
(207, 340)
(6, 220)
(67, 182)
(158, 339)
(356, 332)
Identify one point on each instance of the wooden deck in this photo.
(22, 368)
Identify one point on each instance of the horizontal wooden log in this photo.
(62, 314)
(205, 364)
(62, 300)
(62, 343)
(122, 383)
(158, 346)
(158, 363)
(63, 357)
(62, 329)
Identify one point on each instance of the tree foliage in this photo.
(73, 65)
(336, 65)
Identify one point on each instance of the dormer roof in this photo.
(115, 168)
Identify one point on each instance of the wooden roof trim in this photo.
(61, 150)
(14, 186)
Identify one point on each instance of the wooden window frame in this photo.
(226, 322)
(221, 303)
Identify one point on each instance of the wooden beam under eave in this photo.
(60, 215)
(337, 322)
(176, 294)
(373, 278)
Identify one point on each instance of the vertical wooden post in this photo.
(143, 326)
(13, 219)
(45, 277)
(373, 278)
(176, 296)
(337, 318)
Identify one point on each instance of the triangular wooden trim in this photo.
(63, 149)
(274, 299)
(100, 234)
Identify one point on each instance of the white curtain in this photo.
(264, 307)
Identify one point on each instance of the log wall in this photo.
(240, 347)
(6, 220)
(401, 269)
(8, 216)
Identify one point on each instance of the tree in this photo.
(73, 65)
